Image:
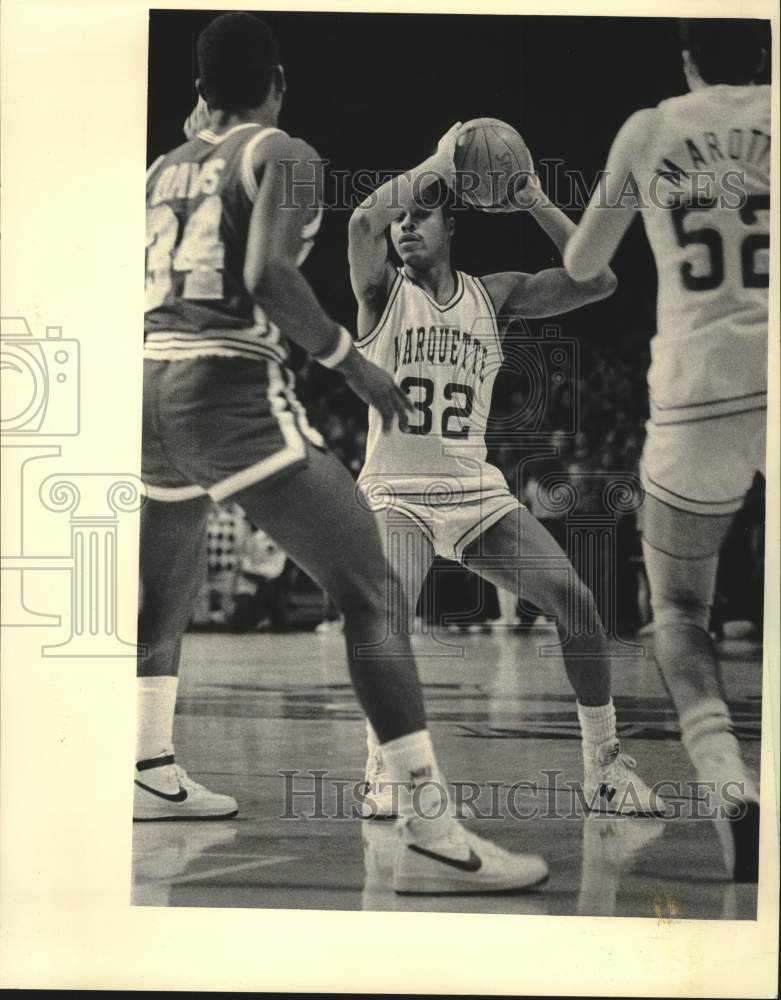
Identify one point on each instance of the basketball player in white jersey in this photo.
(435, 330)
(685, 160)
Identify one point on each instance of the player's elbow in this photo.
(263, 276)
(255, 275)
(580, 266)
(604, 284)
(600, 286)
(593, 277)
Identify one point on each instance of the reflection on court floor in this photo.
(272, 720)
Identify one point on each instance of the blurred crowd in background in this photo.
(587, 435)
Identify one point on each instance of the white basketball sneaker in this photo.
(460, 862)
(379, 800)
(163, 790)
(613, 843)
(611, 785)
(380, 843)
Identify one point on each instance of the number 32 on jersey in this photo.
(421, 393)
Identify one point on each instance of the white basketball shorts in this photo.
(707, 466)
(452, 511)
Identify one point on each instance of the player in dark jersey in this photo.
(225, 236)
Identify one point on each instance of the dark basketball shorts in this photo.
(214, 425)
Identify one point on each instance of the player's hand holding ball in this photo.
(494, 168)
(446, 152)
(527, 194)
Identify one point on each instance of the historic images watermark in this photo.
(317, 795)
(339, 189)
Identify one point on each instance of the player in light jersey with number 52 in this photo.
(699, 168)
(435, 330)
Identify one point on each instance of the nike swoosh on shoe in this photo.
(607, 792)
(179, 796)
(471, 864)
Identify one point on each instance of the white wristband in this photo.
(339, 353)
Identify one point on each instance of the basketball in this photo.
(492, 164)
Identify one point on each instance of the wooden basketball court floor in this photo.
(271, 719)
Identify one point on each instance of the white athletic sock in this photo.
(508, 604)
(155, 722)
(372, 743)
(597, 726)
(706, 733)
(423, 801)
(373, 746)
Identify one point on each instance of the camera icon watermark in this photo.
(40, 381)
(544, 368)
(41, 386)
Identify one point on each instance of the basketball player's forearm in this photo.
(611, 210)
(564, 234)
(552, 221)
(581, 260)
(399, 193)
(595, 241)
(287, 299)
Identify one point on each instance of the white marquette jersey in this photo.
(445, 357)
(705, 184)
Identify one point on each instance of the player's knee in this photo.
(681, 607)
(681, 590)
(162, 619)
(584, 613)
(360, 592)
(571, 600)
(377, 595)
(151, 628)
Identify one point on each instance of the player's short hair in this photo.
(725, 50)
(238, 56)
